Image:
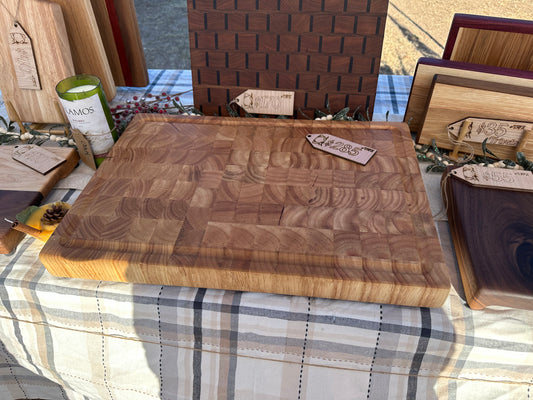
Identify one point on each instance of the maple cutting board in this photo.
(43, 22)
(492, 231)
(427, 68)
(453, 99)
(88, 52)
(248, 204)
(21, 187)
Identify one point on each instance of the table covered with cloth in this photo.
(64, 338)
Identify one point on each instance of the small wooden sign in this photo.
(23, 58)
(505, 133)
(496, 178)
(341, 147)
(37, 158)
(271, 102)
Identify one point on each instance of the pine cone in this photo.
(54, 214)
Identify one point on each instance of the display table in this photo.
(79, 339)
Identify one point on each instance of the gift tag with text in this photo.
(272, 102)
(496, 178)
(84, 148)
(341, 147)
(23, 58)
(37, 158)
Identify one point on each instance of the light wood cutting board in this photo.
(88, 52)
(453, 99)
(427, 68)
(248, 204)
(43, 22)
(21, 187)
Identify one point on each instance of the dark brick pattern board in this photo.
(327, 51)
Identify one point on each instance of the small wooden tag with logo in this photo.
(495, 178)
(341, 147)
(37, 158)
(23, 58)
(500, 132)
(84, 148)
(271, 102)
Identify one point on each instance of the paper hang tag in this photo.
(496, 178)
(37, 158)
(84, 148)
(272, 102)
(341, 147)
(23, 58)
(499, 132)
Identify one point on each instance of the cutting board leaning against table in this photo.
(248, 204)
(21, 187)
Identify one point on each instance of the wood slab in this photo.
(453, 99)
(88, 52)
(499, 42)
(248, 204)
(21, 187)
(427, 68)
(492, 231)
(43, 22)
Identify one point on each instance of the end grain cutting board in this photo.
(21, 187)
(248, 204)
(43, 22)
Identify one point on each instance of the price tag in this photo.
(84, 148)
(341, 147)
(272, 102)
(37, 158)
(476, 130)
(496, 178)
(23, 58)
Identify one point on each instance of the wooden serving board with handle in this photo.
(248, 204)
(43, 22)
(21, 187)
(492, 231)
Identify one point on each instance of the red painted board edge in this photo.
(119, 42)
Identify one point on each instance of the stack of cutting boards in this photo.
(68, 37)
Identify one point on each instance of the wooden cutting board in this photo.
(453, 99)
(88, 52)
(21, 187)
(43, 22)
(500, 42)
(427, 68)
(492, 231)
(248, 204)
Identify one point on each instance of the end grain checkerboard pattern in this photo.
(327, 51)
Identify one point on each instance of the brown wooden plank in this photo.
(248, 204)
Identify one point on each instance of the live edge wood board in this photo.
(327, 52)
(247, 204)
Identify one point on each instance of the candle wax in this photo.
(81, 89)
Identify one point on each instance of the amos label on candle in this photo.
(273, 102)
(23, 58)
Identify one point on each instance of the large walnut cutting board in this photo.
(492, 231)
(248, 204)
(21, 187)
(43, 22)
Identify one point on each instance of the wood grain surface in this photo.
(43, 22)
(21, 186)
(426, 70)
(248, 204)
(88, 52)
(492, 231)
(453, 99)
(499, 42)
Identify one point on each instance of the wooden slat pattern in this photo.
(328, 52)
(248, 204)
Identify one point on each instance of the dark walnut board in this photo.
(21, 187)
(248, 204)
(492, 231)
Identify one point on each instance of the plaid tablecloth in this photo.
(77, 339)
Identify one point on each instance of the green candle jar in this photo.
(85, 105)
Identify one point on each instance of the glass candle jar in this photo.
(87, 110)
